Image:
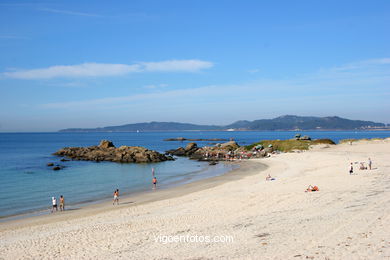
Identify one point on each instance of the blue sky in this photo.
(98, 63)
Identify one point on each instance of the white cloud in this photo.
(74, 71)
(101, 102)
(177, 65)
(104, 69)
(318, 84)
(362, 64)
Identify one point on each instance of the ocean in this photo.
(27, 183)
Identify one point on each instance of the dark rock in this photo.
(191, 146)
(56, 168)
(64, 160)
(176, 139)
(190, 149)
(177, 152)
(106, 144)
(50, 164)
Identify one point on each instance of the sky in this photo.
(66, 64)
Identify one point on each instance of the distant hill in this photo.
(288, 122)
(152, 126)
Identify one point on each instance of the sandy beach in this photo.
(348, 218)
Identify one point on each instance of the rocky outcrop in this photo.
(304, 138)
(189, 150)
(219, 152)
(181, 139)
(231, 146)
(106, 151)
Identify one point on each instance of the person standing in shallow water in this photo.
(116, 197)
(62, 203)
(154, 181)
(54, 204)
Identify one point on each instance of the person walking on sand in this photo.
(369, 163)
(351, 169)
(116, 197)
(154, 181)
(54, 204)
(62, 203)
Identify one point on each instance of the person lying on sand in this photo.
(362, 167)
(312, 188)
(269, 178)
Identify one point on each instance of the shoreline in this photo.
(208, 171)
(131, 199)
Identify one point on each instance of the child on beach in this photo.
(62, 203)
(269, 178)
(154, 181)
(116, 197)
(54, 204)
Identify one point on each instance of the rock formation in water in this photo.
(220, 152)
(106, 151)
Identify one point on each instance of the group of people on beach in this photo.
(55, 206)
(314, 188)
(116, 192)
(361, 166)
(115, 200)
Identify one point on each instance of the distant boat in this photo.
(137, 131)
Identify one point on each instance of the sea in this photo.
(27, 183)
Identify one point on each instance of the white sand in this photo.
(349, 218)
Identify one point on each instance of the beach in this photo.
(348, 218)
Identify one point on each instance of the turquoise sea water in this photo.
(27, 184)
